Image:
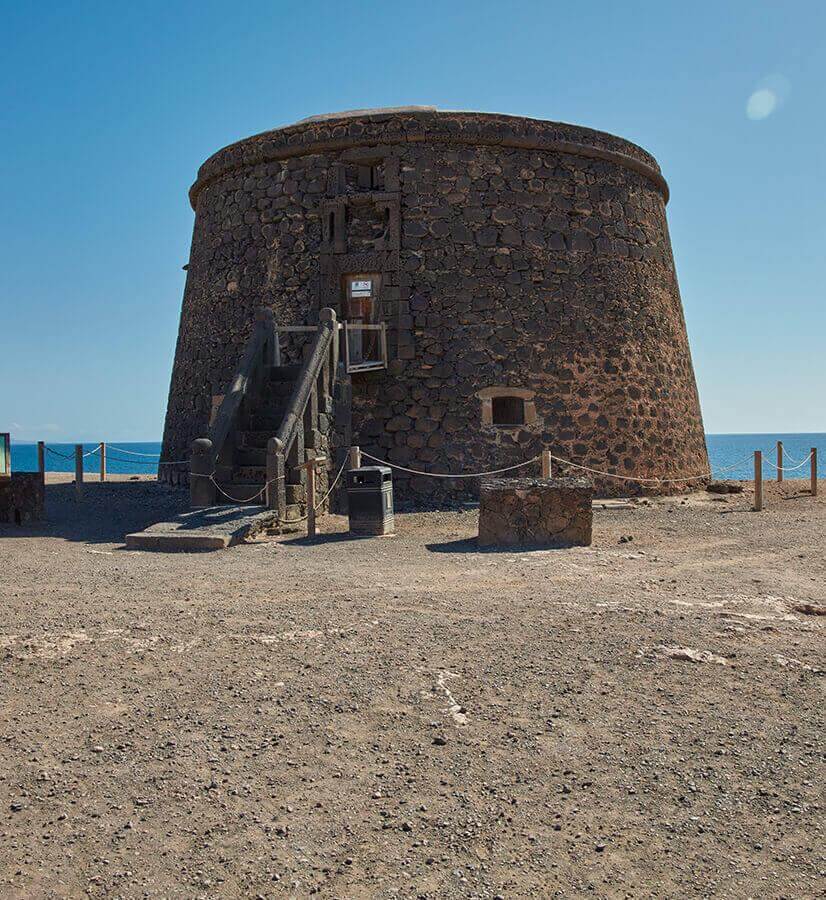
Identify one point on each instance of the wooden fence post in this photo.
(311, 529)
(79, 470)
(814, 471)
(546, 463)
(310, 466)
(758, 480)
(41, 459)
(355, 457)
(102, 450)
(780, 461)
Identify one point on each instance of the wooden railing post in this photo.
(102, 452)
(814, 471)
(41, 459)
(78, 470)
(758, 480)
(310, 466)
(276, 494)
(546, 463)
(202, 466)
(779, 460)
(355, 458)
(311, 529)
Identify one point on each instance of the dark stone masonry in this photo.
(535, 512)
(523, 269)
(22, 498)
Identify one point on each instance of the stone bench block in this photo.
(535, 512)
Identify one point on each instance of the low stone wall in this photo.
(22, 498)
(535, 512)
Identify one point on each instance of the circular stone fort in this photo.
(520, 272)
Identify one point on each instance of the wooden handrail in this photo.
(228, 410)
(259, 351)
(307, 378)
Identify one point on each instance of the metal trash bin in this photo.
(370, 500)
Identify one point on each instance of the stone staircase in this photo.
(271, 421)
(242, 469)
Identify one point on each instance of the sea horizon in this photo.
(730, 455)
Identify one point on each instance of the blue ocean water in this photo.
(730, 455)
(121, 458)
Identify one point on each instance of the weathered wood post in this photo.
(311, 529)
(202, 465)
(102, 450)
(780, 461)
(41, 459)
(546, 463)
(758, 480)
(78, 470)
(355, 457)
(310, 466)
(814, 471)
(276, 493)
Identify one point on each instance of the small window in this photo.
(508, 411)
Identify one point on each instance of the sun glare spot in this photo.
(761, 104)
(768, 95)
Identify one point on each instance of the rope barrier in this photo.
(90, 452)
(266, 485)
(332, 486)
(236, 499)
(133, 452)
(565, 462)
(794, 459)
(788, 468)
(58, 453)
(146, 462)
(443, 475)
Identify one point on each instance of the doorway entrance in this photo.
(364, 336)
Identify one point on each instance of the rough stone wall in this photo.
(22, 498)
(516, 254)
(535, 512)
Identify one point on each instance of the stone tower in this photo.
(522, 268)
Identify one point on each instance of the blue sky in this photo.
(109, 108)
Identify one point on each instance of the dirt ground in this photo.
(410, 717)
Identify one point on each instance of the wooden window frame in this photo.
(488, 395)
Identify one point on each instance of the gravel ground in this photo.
(411, 717)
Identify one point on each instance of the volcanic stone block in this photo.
(535, 512)
(21, 498)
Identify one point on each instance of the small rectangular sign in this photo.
(361, 288)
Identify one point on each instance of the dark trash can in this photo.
(370, 500)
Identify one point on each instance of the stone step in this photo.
(279, 389)
(256, 440)
(271, 409)
(212, 528)
(254, 474)
(250, 456)
(283, 373)
(259, 421)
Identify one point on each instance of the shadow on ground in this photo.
(105, 514)
(470, 545)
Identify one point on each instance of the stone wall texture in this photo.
(22, 498)
(535, 512)
(512, 252)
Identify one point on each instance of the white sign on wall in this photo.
(361, 289)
